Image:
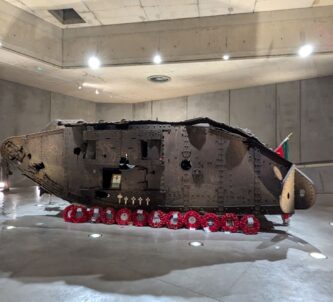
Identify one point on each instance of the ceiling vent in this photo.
(67, 16)
(159, 78)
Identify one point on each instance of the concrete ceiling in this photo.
(106, 12)
(129, 84)
(263, 48)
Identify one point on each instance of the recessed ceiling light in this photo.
(0, 44)
(10, 227)
(226, 57)
(39, 68)
(94, 62)
(159, 78)
(196, 243)
(95, 235)
(157, 59)
(318, 256)
(96, 91)
(305, 50)
(79, 87)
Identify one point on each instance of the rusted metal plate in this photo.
(196, 164)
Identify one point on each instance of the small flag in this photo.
(283, 148)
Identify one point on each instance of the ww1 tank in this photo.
(198, 173)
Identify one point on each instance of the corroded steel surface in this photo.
(197, 164)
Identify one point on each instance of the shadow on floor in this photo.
(45, 249)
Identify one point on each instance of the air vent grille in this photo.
(67, 16)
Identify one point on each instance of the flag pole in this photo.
(287, 138)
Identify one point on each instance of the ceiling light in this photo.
(331, 223)
(159, 78)
(226, 57)
(10, 227)
(157, 59)
(2, 184)
(95, 235)
(318, 256)
(39, 68)
(94, 62)
(305, 50)
(196, 243)
(79, 87)
(0, 44)
(96, 91)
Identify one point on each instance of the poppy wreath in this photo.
(156, 219)
(192, 220)
(227, 226)
(139, 218)
(211, 222)
(124, 216)
(174, 220)
(250, 228)
(66, 213)
(96, 214)
(79, 214)
(109, 216)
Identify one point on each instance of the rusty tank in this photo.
(196, 165)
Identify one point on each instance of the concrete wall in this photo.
(26, 110)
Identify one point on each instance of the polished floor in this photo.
(43, 258)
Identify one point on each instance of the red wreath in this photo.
(124, 216)
(172, 222)
(211, 222)
(109, 216)
(192, 220)
(79, 218)
(225, 222)
(156, 219)
(96, 218)
(139, 218)
(66, 214)
(249, 229)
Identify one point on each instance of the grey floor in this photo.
(46, 259)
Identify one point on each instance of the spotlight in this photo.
(10, 227)
(305, 50)
(95, 235)
(94, 62)
(318, 256)
(157, 59)
(226, 57)
(196, 243)
(96, 91)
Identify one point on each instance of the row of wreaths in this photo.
(228, 222)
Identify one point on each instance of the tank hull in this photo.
(192, 165)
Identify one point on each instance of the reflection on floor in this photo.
(43, 258)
